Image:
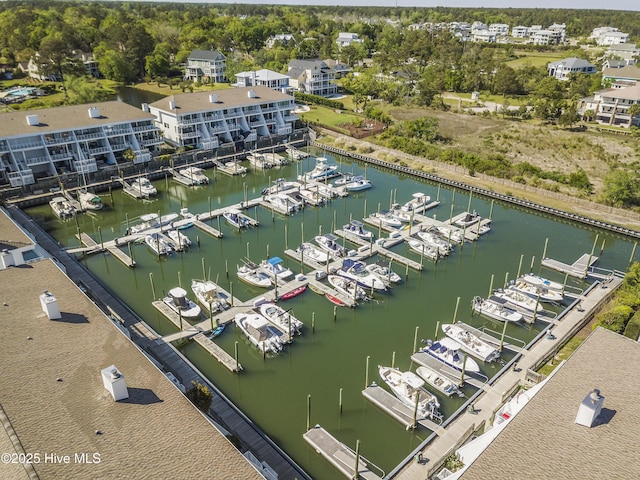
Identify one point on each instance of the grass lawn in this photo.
(535, 59)
(328, 116)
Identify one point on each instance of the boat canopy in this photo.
(275, 260)
(412, 379)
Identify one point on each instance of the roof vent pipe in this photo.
(590, 408)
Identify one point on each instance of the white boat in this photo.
(470, 342)
(468, 219)
(541, 282)
(274, 268)
(448, 352)
(275, 159)
(417, 203)
(322, 171)
(451, 234)
(151, 221)
(398, 213)
(519, 300)
(358, 184)
(438, 381)
(195, 174)
(329, 243)
(282, 203)
(62, 208)
(259, 161)
(260, 332)
(279, 185)
(207, 294)
(159, 244)
(385, 219)
(355, 227)
(143, 186)
(281, 318)
(496, 310)
(235, 219)
(312, 197)
(435, 241)
(423, 249)
(236, 167)
(180, 239)
(177, 300)
(382, 270)
(308, 250)
(407, 387)
(346, 178)
(90, 201)
(357, 271)
(348, 287)
(249, 273)
(544, 294)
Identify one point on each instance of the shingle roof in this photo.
(630, 71)
(573, 62)
(205, 55)
(543, 440)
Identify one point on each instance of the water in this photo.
(273, 392)
(136, 97)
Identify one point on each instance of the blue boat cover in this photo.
(275, 260)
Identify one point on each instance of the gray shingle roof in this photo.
(205, 55)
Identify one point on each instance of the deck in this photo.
(578, 269)
(218, 353)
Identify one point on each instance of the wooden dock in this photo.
(391, 405)
(163, 308)
(218, 353)
(578, 269)
(339, 455)
(200, 225)
(110, 246)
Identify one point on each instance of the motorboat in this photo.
(447, 351)
(312, 197)
(281, 318)
(417, 203)
(439, 381)
(249, 273)
(159, 243)
(177, 300)
(62, 208)
(143, 186)
(195, 174)
(279, 185)
(322, 171)
(179, 239)
(151, 221)
(385, 219)
(308, 250)
(496, 310)
(236, 219)
(541, 282)
(357, 270)
(355, 227)
(235, 167)
(275, 159)
(545, 295)
(282, 203)
(423, 249)
(471, 343)
(348, 287)
(408, 388)
(259, 161)
(90, 201)
(433, 240)
(468, 219)
(346, 178)
(260, 332)
(358, 184)
(519, 300)
(398, 213)
(384, 272)
(274, 268)
(329, 243)
(451, 234)
(208, 294)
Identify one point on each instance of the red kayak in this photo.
(293, 293)
(335, 300)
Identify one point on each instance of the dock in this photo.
(218, 353)
(339, 455)
(391, 405)
(176, 319)
(200, 225)
(578, 269)
(110, 246)
(422, 358)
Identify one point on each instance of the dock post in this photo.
(364, 212)
(504, 330)
(180, 317)
(564, 284)
(111, 195)
(506, 279)
(308, 412)
(535, 311)
(393, 360)
(378, 208)
(179, 279)
(313, 322)
(415, 411)
(255, 213)
(390, 198)
(491, 284)
(335, 313)
(415, 338)
(334, 224)
(340, 401)
(211, 314)
(153, 288)
(406, 272)
(451, 211)
(267, 250)
(533, 260)
(133, 259)
(633, 252)
(356, 475)
(586, 269)
(231, 292)
(520, 266)
(366, 372)
(435, 334)
(286, 237)
(220, 229)
(544, 252)
(455, 313)
(301, 232)
(126, 219)
(248, 257)
(470, 197)
(204, 272)
(604, 241)
(209, 199)
(413, 212)
(464, 364)
(100, 235)
(226, 267)
(236, 356)
(438, 194)
(491, 210)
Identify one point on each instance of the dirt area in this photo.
(369, 127)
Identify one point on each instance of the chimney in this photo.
(114, 383)
(213, 98)
(172, 104)
(94, 112)
(32, 120)
(145, 107)
(590, 408)
(50, 306)
(251, 94)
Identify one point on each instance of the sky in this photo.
(574, 4)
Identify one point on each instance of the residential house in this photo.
(520, 32)
(630, 73)
(609, 36)
(345, 39)
(206, 64)
(612, 104)
(37, 69)
(341, 69)
(562, 69)
(559, 30)
(80, 138)
(280, 38)
(628, 52)
(267, 78)
(239, 116)
(545, 37)
(484, 35)
(312, 76)
(499, 29)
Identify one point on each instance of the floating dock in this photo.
(110, 246)
(578, 269)
(218, 353)
(200, 225)
(396, 408)
(339, 455)
(168, 312)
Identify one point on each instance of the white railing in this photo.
(36, 161)
(60, 156)
(25, 145)
(89, 136)
(142, 128)
(117, 131)
(98, 150)
(23, 177)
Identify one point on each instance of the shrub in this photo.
(632, 330)
(200, 396)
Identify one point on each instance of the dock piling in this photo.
(366, 372)
(491, 284)
(313, 322)
(520, 266)
(455, 313)
(393, 360)
(504, 330)
(415, 338)
(236, 356)
(153, 288)
(435, 334)
(356, 475)
(633, 252)
(340, 401)
(544, 251)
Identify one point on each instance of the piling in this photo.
(308, 412)
(520, 266)
(415, 339)
(366, 372)
(153, 288)
(455, 313)
(340, 401)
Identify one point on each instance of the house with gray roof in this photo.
(206, 64)
(314, 77)
(628, 52)
(264, 77)
(562, 69)
(611, 105)
(630, 73)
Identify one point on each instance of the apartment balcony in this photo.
(142, 156)
(213, 117)
(256, 123)
(216, 130)
(188, 121)
(60, 156)
(185, 135)
(26, 145)
(117, 131)
(118, 146)
(23, 177)
(99, 150)
(284, 130)
(56, 140)
(85, 166)
(269, 109)
(149, 141)
(4, 146)
(210, 144)
(291, 117)
(144, 128)
(89, 136)
(36, 161)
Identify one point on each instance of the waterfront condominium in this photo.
(80, 138)
(237, 117)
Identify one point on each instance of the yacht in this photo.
(468, 219)
(322, 171)
(358, 184)
(151, 221)
(177, 300)
(144, 187)
(279, 185)
(62, 208)
(417, 203)
(195, 174)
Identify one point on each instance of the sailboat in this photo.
(89, 201)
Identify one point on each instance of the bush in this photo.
(318, 100)
(632, 330)
(200, 396)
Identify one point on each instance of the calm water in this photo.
(136, 97)
(273, 392)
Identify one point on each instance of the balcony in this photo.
(149, 141)
(89, 136)
(188, 121)
(26, 145)
(23, 177)
(99, 150)
(36, 161)
(58, 140)
(142, 156)
(60, 156)
(144, 128)
(117, 131)
(284, 130)
(190, 134)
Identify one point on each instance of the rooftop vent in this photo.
(590, 408)
(172, 104)
(50, 305)
(32, 120)
(213, 98)
(94, 112)
(251, 94)
(145, 107)
(114, 383)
